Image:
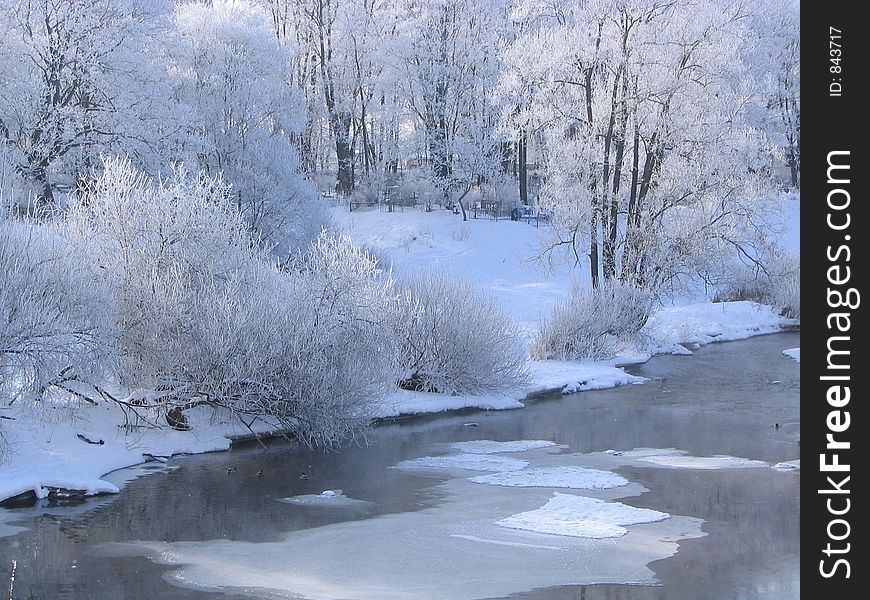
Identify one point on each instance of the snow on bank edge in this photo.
(44, 449)
(46, 452)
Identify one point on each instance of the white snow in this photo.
(579, 516)
(706, 322)
(794, 353)
(717, 461)
(492, 447)
(468, 462)
(555, 477)
(45, 450)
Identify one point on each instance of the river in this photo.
(222, 522)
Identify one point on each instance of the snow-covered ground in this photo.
(45, 450)
(42, 448)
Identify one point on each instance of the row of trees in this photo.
(619, 98)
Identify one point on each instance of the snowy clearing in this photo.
(555, 477)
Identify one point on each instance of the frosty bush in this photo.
(50, 312)
(156, 246)
(592, 324)
(202, 312)
(454, 339)
(304, 348)
(777, 284)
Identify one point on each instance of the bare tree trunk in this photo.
(632, 222)
(593, 187)
(619, 142)
(523, 167)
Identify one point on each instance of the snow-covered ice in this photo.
(492, 447)
(788, 465)
(327, 498)
(555, 477)
(794, 353)
(679, 459)
(468, 554)
(468, 462)
(579, 516)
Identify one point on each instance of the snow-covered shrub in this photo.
(420, 184)
(777, 284)
(156, 244)
(51, 313)
(454, 339)
(306, 348)
(593, 324)
(205, 315)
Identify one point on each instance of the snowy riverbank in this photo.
(53, 447)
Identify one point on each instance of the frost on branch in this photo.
(50, 313)
(203, 313)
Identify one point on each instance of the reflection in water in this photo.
(721, 401)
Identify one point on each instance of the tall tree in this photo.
(74, 71)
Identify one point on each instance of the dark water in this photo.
(724, 400)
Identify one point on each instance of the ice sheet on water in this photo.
(718, 461)
(492, 447)
(556, 477)
(794, 353)
(788, 465)
(469, 462)
(579, 516)
(680, 459)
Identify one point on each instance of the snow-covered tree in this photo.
(238, 115)
(449, 51)
(652, 166)
(73, 77)
(773, 53)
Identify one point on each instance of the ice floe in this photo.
(579, 516)
(469, 462)
(794, 353)
(491, 447)
(788, 465)
(556, 477)
(680, 459)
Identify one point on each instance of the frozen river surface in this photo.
(662, 491)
